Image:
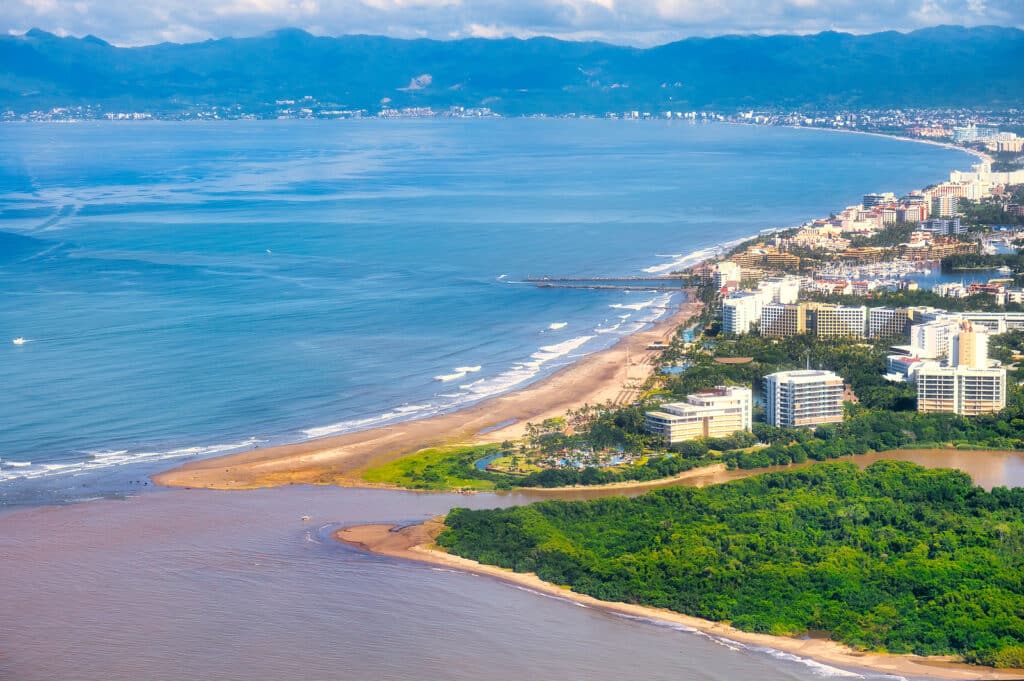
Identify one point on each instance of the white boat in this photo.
(19, 341)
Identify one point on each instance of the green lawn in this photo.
(437, 468)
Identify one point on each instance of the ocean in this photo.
(187, 289)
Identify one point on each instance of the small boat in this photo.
(19, 341)
(306, 517)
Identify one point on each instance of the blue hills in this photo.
(945, 66)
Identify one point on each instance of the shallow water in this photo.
(191, 584)
(190, 288)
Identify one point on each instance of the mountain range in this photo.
(945, 66)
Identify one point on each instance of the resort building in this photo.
(780, 289)
(778, 319)
(903, 367)
(961, 390)
(806, 397)
(837, 321)
(714, 413)
(887, 322)
(945, 226)
(930, 340)
(945, 206)
(872, 200)
(726, 274)
(740, 311)
(967, 385)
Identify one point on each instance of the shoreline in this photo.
(980, 155)
(336, 459)
(415, 542)
(595, 378)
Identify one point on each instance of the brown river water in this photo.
(189, 584)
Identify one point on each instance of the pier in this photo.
(628, 283)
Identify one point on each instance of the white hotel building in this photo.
(807, 397)
(714, 413)
(966, 384)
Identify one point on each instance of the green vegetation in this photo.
(895, 558)
(887, 237)
(438, 468)
(990, 211)
(453, 468)
(980, 261)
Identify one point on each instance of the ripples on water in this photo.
(186, 288)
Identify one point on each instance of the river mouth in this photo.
(176, 584)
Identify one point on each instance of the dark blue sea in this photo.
(186, 289)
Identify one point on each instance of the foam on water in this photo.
(93, 461)
(679, 262)
(819, 668)
(398, 414)
(636, 307)
(557, 325)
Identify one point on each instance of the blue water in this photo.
(189, 288)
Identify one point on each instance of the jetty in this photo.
(627, 283)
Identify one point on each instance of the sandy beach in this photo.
(595, 379)
(415, 542)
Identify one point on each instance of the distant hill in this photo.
(942, 66)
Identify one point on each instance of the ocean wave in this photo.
(96, 460)
(523, 371)
(352, 425)
(682, 261)
(469, 370)
(610, 329)
(818, 668)
(636, 307)
(444, 378)
(557, 325)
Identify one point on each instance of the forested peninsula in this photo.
(895, 558)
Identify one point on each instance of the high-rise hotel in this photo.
(807, 397)
(967, 385)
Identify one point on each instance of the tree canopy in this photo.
(894, 558)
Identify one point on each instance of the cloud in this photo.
(640, 22)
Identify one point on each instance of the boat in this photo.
(306, 517)
(19, 341)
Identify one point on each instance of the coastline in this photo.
(980, 155)
(415, 542)
(337, 459)
(594, 379)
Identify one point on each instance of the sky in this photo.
(634, 22)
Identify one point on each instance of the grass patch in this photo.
(437, 468)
